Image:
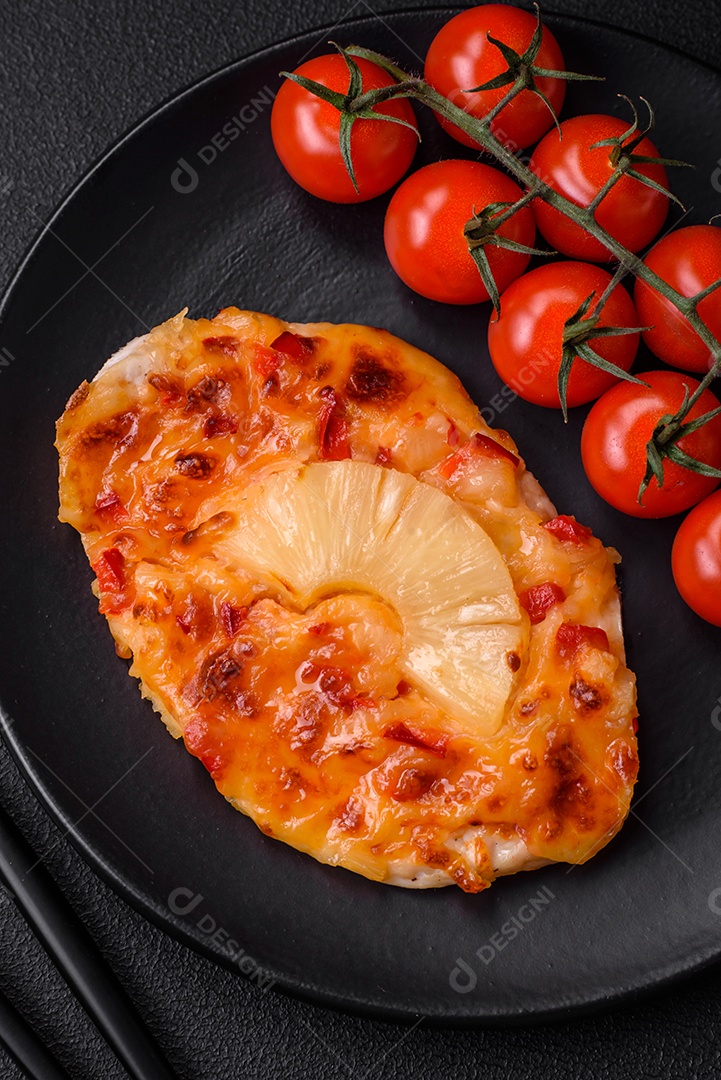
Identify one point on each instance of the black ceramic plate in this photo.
(193, 208)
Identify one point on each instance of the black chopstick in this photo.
(76, 956)
(25, 1047)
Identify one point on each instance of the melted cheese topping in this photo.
(308, 719)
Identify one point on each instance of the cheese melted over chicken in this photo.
(351, 600)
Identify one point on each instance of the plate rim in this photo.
(659, 980)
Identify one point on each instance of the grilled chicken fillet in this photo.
(351, 599)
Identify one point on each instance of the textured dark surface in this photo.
(76, 80)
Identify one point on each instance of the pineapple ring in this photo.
(355, 527)
(351, 599)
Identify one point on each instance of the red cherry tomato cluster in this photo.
(306, 134)
(424, 226)
(688, 259)
(461, 56)
(617, 429)
(526, 340)
(696, 559)
(572, 162)
(564, 333)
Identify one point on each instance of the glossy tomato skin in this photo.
(424, 230)
(461, 57)
(696, 559)
(526, 341)
(613, 445)
(631, 212)
(305, 133)
(688, 259)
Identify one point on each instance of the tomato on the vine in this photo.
(306, 134)
(526, 340)
(630, 212)
(424, 235)
(461, 57)
(696, 559)
(617, 430)
(689, 260)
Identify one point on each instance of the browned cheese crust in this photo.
(309, 716)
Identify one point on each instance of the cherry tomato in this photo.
(526, 341)
(696, 559)
(306, 134)
(613, 445)
(461, 57)
(631, 212)
(424, 230)
(688, 259)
